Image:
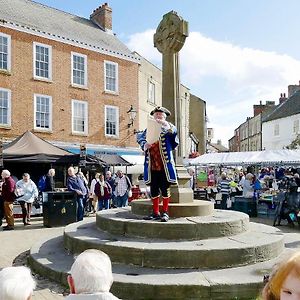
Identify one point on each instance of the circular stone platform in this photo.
(220, 223)
(218, 255)
(257, 244)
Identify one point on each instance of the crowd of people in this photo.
(104, 192)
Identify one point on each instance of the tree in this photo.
(295, 144)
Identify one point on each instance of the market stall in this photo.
(263, 158)
(267, 198)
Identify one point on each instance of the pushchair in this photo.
(287, 208)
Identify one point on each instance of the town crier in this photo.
(159, 166)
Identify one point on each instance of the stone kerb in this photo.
(176, 210)
(220, 223)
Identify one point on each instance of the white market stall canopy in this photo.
(266, 157)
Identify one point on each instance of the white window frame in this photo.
(50, 113)
(49, 78)
(117, 120)
(85, 69)
(8, 51)
(8, 108)
(296, 126)
(276, 129)
(151, 99)
(117, 77)
(86, 121)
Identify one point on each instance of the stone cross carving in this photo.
(169, 39)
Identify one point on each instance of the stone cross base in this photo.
(182, 193)
(176, 210)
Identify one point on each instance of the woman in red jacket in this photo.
(103, 191)
(8, 188)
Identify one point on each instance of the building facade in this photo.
(66, 78)
(248, 136)
(281, 127)
(198, 124)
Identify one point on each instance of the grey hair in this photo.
(16, 283)
(51, 172)
(249, 176)
(6, 173)
(92, 272)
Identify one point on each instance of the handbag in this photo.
(18, 192)
(130, 193)
(36, 203)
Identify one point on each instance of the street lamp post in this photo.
(132, 115)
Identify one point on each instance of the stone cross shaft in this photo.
(169, 39)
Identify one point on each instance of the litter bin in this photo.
(246, 205)
(59, 208)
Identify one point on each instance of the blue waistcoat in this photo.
(167, 142)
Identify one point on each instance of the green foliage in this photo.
(295, 144)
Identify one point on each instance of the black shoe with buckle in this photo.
(153, 216)
(165, 217)
(8, 228)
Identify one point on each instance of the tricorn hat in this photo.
(160, 109)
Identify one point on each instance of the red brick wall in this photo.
(23, 87)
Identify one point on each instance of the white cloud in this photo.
(142, 42)
(247, 76)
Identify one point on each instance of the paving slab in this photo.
(15, 244)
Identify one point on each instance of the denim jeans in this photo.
(114, 200)
(103, 204)
(80, 209)
(122, 201)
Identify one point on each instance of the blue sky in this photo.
(238, 52)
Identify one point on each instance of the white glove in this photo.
(147, 146)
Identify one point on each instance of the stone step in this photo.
(50, 259)
(176, 210)
(258, 244)
(219, 223)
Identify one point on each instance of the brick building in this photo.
(66, 78)
(248, 136)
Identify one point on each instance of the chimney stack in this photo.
(102, 16)
(282, 98)
(292, 89)
(258, 108)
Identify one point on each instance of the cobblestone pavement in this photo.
(15, 247)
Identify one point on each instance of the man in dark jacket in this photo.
(75, 184)
(8, 196)
(50, 183)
